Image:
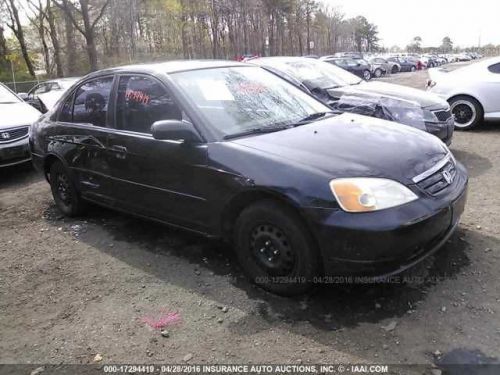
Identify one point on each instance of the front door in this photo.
(158, 179)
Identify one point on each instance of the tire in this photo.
(64, 192)
(367, 75)
(468, 112)
(413, 68)
(377, 73)
(394, 70)
(275, 250)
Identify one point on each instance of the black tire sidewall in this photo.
(479, 112)
(307, 259)
(75, 207)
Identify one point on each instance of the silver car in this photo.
(473, 91)
(46, 94)
(382, 66)
(16, 117)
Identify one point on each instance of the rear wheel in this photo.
(468, 112)
(274, 248)
(413, 68)
(378, 73)
(65, 194)
(394, 69)
(367, 75)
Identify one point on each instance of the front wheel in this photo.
(378, 73)
(413, 68)
(467, 111)
(275, 249)
(367, 75)
(66, 196)
(394, 69)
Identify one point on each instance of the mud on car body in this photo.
(232, 151)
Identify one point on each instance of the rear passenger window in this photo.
(141, 101)
(494, 68)
(91, 102)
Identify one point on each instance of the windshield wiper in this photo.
(312, 117)
(262, 130)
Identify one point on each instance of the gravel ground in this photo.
(73, 289)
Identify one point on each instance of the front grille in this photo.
(443, 115)
(439, 180)
(9, 135)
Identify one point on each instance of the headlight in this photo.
(370, 194)
(412, 116)
(429, 116)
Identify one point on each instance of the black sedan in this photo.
(232, 151)
(358, 67)
(345, 92)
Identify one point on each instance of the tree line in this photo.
(72, 37)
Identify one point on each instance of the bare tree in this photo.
(15, 25)
(85, 11)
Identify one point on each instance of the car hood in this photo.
(350, 145)
(17, 114)
(423, 98)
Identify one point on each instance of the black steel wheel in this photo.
(64, 192)
(275, 249)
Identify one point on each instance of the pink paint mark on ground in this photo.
(164, 319)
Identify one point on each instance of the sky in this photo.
(399, 21)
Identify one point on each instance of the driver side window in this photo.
(141, 101)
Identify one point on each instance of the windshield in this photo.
(239, 99)
(315, 73)
(6, 96)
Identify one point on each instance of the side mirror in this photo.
(24, 96)
(175, 130)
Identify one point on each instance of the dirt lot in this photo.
(72, 289)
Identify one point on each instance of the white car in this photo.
(46, 94)
(473, 91)
(16, 117)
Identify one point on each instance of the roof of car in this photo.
(170, 66)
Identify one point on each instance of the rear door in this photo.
(158, 179)
(81, 137)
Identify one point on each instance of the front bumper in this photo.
(390, 241)
(443, 130)
(13, 153)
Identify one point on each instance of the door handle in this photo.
(118, 148)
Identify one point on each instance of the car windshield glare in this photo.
(6, 96)
(235, 100)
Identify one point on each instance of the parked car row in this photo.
(308, 170)
(370, 65)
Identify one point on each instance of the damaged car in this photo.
(345, 92)
(229, 150)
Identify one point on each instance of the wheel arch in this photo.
(48, 160)
(467, 95)
(244, 199)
